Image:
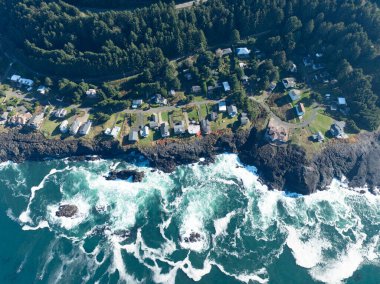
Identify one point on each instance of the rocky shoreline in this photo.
(285, 168)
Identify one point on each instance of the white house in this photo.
(42, 90)
(226, 87)
(91, 93)
(243, 52)
(294, 95)
(63, 127)
(15, 78)
(75, 127)
(289, 83)
(26, 82)
(136, 103)
(144, 132)
(85, 128)
(222, 106)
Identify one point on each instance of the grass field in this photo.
(193, 114)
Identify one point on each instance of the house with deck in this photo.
(300, 109)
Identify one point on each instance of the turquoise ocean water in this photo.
(136, 232)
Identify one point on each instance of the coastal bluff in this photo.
(285, 168)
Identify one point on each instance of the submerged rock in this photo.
(66, 210)
(126, 174)
(193, 237)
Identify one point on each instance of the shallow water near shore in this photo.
(208, 223)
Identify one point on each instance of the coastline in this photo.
(283, 168)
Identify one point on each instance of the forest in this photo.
(59, 39)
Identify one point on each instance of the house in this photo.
(136, 103)
(196, 89)
(144, 132)
(294, 95)
(194, 129)
(213, 116)
(63, 127)
(205, 126)
(243, 52)
(245, 79)
(244, 120)
(4, 117)
(172, 93)
(114, 132)
(318, 137)
(276, 132)
(272, 86)
(26, 82)
(20, 119)
(226, 87)
(75, 127)
(342, 102)
(10, 108)
(179, 127)
(160, 100)
(164, 130)
(15, 78)
(153, 123)
(42, 90)
(60, 113)
(91, 93)
(36, 121)
(300, 109)
(242, 65)
(85, 128)
(222, 52)
(289, 83)
(307, 61)
(232, 110)
(318, 55)
(133, 136)
(337, 130)
(222, 106)
(292, 68)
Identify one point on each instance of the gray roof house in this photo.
(85, 128)
(133, 136)
(337, 130)
(205, 126)
(213, 116)
(232, 110)
(36, 121)
(244, 120)
(179, 127)
(75, 127)
(164, 130)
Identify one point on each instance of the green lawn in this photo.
(204, 110)
(321, 123)
(165, 116)
(193, 114)
(223, 122)
(49, 127)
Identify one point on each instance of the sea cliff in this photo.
(284, 167)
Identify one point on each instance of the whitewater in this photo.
(202, 223)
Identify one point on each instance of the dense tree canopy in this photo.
(58, 38)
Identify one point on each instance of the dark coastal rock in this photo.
(126, 174)
(66, 210)
(193, 237)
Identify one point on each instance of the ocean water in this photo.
(139, 232)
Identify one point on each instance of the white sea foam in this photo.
(70, 222)
(222, 224)
(25, 215)
(41, 225)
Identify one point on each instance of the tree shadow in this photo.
(282, 101)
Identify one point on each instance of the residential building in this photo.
(153, 122)
(300, 110)
(205, 126)
(85, 128)
(36, 121)
(4, 117)
(289, 83)
(64, 126)
(114, 132)
(245, 79)
(15, 78)
(294, 95)
(179, 127)
(144, 132)
(20, 119)
(226, 87)
(160, 100)
(137, 103)
(318, 137)
(213, 116)
(243, 52)
(276, 132)
(133, 136)
(172, 93)
(244, 120)
(342, 102)
(292, 68)
(222, 106)
(196, 89)
(26, 82)
(272, 86)
(194, 129)
(232, 110)
(60, 113)
(164, 130)
(42, 90)
(75, 127)
(337, 130)
(91, 93)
